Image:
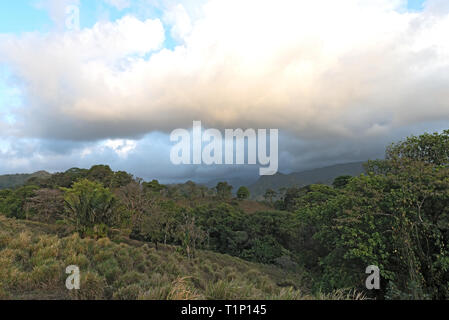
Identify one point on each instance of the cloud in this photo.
(57, 10)
(179, 19)
(284, 64)
(148, 158)
(437, 7)
(72, 70)
(324, 72)
(119, 4)
(121, 147)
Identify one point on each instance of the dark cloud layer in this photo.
(340, 83)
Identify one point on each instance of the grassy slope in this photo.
(33, 260)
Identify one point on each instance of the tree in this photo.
(341, 181)
(13, 202)
(152, 228)
(149, 222)
(396, 217)
(243, 193)
(154, 186)
(191, 190)
(190, 235)
(136, 201)
(204, 191)
(90, 205)
(47, 205)
(101, 173)
(120, 179)
(269, 195)
(429, 148)
(224, 190)
(291, 195)
(61, 179)
(222, 223)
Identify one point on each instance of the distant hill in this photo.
(324, 175)
(8, 181)
(257, 188)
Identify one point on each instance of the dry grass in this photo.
(33, 267)
(181, 290)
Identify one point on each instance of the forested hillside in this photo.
(16, 180)
(135, 239)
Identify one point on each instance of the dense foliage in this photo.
(396, 216)
(33, 259)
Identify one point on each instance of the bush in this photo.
(131, 292)
(92, 287)
(92, 207)
(181, 290)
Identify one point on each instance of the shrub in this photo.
(92, 287)
(181, 290)
(90, 206)
(110, 270)
(47, 275)
(222, 290)
(131, 292)
(131, 277)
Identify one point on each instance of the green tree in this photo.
(269, 195)
(47, 205)
(101, 173)
(243, 193)
(153, 186)
(61, 179)
(429, 148)
(396, 217)
(341, 182)
(136, 201)
(120, 179)
(289, 200)
(190, 234)
(91, 206)
(13, 202)
(224, 190)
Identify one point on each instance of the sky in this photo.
(339, 79)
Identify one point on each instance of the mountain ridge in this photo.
(8, 181)
(324, 175)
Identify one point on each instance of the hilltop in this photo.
(8, 181)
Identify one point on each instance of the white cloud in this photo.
(317, 69)
(57, 10)
(121, 147)
(119, 4)
(178, 18)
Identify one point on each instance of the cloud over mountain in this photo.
(320, 71)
